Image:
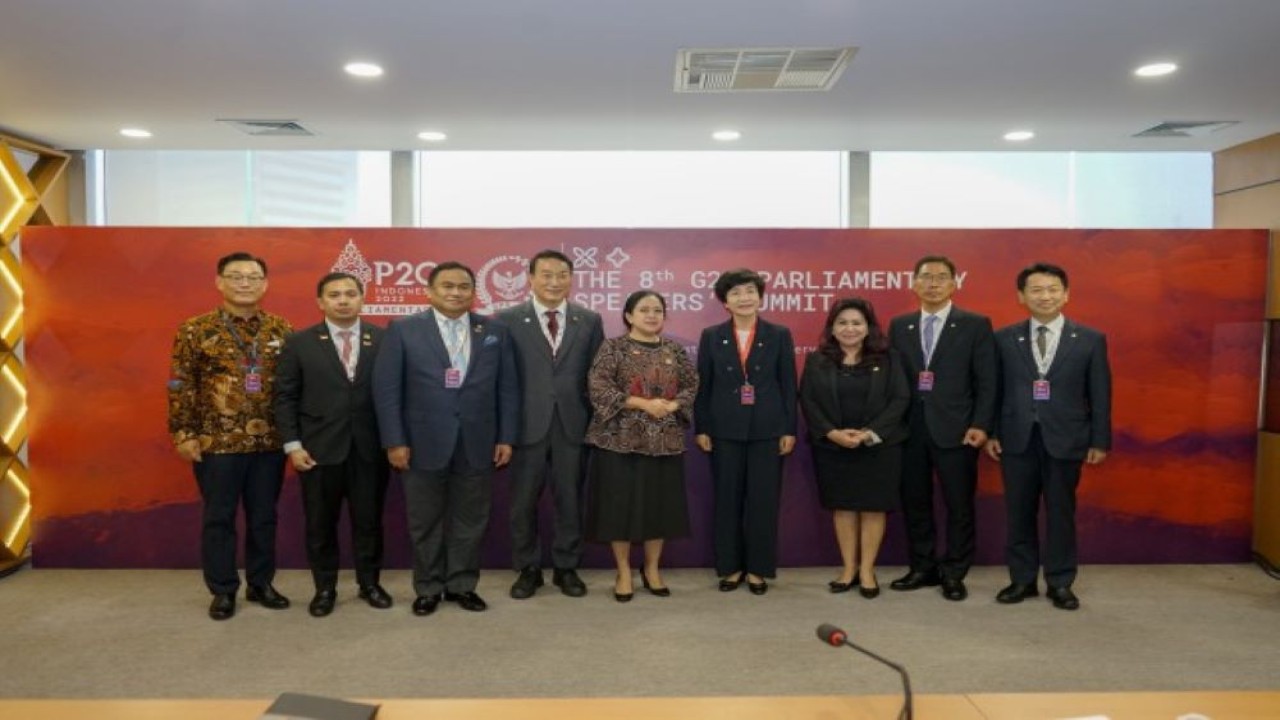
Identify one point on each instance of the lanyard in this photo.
(250, 349)
(744, 349)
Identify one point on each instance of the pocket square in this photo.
(490, 340)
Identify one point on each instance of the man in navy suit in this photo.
(324, 412)
(447, 398)
(555, 341)
(950, 359)
(1055, 416)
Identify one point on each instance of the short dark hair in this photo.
(875, 347)
(634, 299)
(449, 265)
(549, 255)
(334, 277)
(935, 259)
(1041, 268)
(731, 279)
(241, 256)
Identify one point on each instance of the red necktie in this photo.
(553, 326)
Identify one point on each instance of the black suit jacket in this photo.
(316, 404)
(1077, 415)
(555, 383)
(414, 407)
(888, 398)
(771, 363)
(964, 374)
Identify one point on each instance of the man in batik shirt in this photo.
(220, 419)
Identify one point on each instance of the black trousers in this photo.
(747, 476)
(447, 512)
(1028, 477)
(556, 460)
(363, 484)
(957, 472)
(226, 481)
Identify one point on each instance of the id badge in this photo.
(747, 394)
(452, 378)
(1040, 390)
(924, 383)
(253, 382)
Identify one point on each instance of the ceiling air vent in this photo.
(269, 128)
(1185, 128)
(760, 69)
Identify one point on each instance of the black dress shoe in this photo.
(1016, 593)
(425, 605)
(954, 589)
(842, 587)
(663, 591)
(916, 579)
(527, 583)
(223, 606)
(759, 588)
(568, 582)
(467, 601)
(1063, 598)
(376, 596)
(322, 603)
(869, 591)
(267, 597)
(621, 596)
(729, 584)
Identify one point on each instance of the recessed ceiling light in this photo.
(726, 135)
(1156, 69)
(1019, 135)
(135, 133)
(363, 69)
(432, 136)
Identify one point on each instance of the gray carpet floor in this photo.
(144, 633)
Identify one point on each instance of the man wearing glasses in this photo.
(220, 419)
(950, 359)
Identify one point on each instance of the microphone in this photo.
(834, 636)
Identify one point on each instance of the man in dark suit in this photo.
(1055, 415)
(447, 398)
(949, 358)
(324, 412)
(555, 342)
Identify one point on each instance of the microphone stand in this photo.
(905, 712)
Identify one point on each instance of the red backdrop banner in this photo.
(1182, 310)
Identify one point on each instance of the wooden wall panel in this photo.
(1247, 165)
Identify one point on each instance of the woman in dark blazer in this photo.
(855, 396)
(745, 417)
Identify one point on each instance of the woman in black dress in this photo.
(642, 387)
(854, 396)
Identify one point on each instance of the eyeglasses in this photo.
(237, 278)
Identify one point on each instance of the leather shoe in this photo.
(1016, 593)
(267, 597)
(425, 605)
(1063, 598)
(759, 588)
(322, 603)
(954, 589)
(467, 601)
(223, 606)
(568, 582)
(527, 583)
(663, 591)
(376, 596)
(869, 592)
(842, 587)
(916, 579)
(728, 583)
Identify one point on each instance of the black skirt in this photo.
(864, 478)
(634, 497)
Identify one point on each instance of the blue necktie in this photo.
(929, 321)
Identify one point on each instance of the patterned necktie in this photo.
(457, 346)
(347, 348)
(929, 321)
(1042, 341)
